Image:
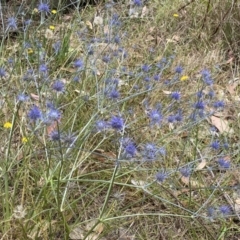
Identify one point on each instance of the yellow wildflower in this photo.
(54, 11)
(30, 50)
(175, 15)
(7, 125)
(51, 27)
(24, 140)
(184, 78)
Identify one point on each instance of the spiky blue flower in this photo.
(225, 210)
(55, 136)
(137, 3)
(22, 97)
(146, 68)
(155, 117)
(179, 69)
(12, 23)
(218, 104)
(116, 122)
(78, 63)
(101, 125)
(2, 72)
(185, 171)
(129, 148)
(34, 113)
(44, 8)
(199, 105)
(161, 176)
(215, 145)
(151, 152)
(224, 163)
(176, 95)
(43, 68)
(58, 86)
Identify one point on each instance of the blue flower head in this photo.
(199, 105)
(224, 163)
(55, 136)
(12, 23)
(58, 86)
(129, 148)
(225, 210)
(218, 104)
(185, 171)
(215, 145)
(179, 69)
(137, 3)
(78, 64)
(34, 113)
(176, 95)
(161, 176)
(116, 123)
(101, 125)
(155, 117)
(2, 72)
(151, 152)
(44, 8)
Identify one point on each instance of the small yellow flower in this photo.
(30, 51)
(24, 140)
(175, 15)
(184, 78)
(54, 11)
(51, 27)
(7, 125)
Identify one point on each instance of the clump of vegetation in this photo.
(113, 128)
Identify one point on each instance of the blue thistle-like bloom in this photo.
(78, 64)
(179, 69)
(211, 94)
(206, 75)
(55, 136)
(22, 97)
(200, 94)
(101, 125)
(69, 138)
(44, 7)
(225, 210)
(155, 117)
(151, 152)
(34, 113)
(199, 105)
(117, 39)
(129, 148)
(215, 145)
(146, 68)
(43, 68)
(224, 163)
(171, 118)
(106, 58)
(157, 77)
(218, 104)
(53, 114)
(185, 171)
(178, 116)
(137, 3)
(114, 94)
(12, 23)
(116, 123)
(211, 212)
(176, 95)
(161, 176)
(2, 72)
(58, 86)
(147, 79)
